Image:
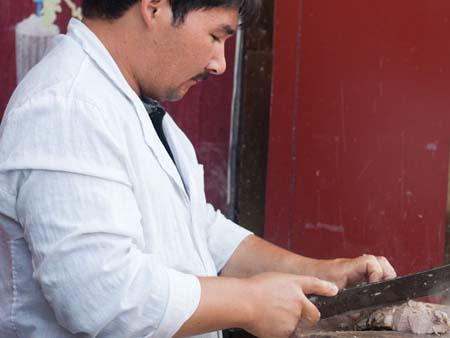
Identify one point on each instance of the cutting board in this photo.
(360, 334)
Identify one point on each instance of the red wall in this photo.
(204, 114)
(360, 125)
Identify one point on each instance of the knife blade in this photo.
(384, 293)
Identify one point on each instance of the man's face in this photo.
(187, 52)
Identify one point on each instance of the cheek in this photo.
(199, 50)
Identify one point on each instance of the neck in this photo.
(117, 41)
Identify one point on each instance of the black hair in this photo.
(114, 9)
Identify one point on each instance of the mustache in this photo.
(201, 77)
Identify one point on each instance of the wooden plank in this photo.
(358, 334)
(254, 122)
(282, 152)
(252, 150)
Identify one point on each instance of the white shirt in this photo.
(101, 235)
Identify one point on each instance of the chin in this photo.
(174, 98)
(176, 95)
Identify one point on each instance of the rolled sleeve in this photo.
(183, 299)
(224, 236)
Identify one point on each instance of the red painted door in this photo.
(204, 114)
(360, 126)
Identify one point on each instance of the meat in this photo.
(414, 317)
(406, 320)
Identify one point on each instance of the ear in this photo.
(150, 10)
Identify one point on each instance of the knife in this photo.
(421, 284)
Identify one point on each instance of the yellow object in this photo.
(76, 11)
(52, 7)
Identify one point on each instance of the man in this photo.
(105, 231)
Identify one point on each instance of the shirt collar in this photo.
(92, 45)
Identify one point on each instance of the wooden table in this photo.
(359, 334)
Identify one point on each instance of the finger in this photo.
(312, 285)
(310, 314)
(388, 269)
(305, 323)
(373, 268)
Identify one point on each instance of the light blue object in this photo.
(38, 7)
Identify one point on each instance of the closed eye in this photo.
(215, 38)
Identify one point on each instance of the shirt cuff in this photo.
(183, 300)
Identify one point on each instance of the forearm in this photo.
(265, 305)
(255, 255)
(224, 304)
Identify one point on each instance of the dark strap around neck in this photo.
(156, 113)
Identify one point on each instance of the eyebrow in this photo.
(228, 29)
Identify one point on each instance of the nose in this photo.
(218, 64)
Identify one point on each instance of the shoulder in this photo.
(67, 71)
(67, 85)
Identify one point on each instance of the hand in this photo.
(348, 272)
(278, 303)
